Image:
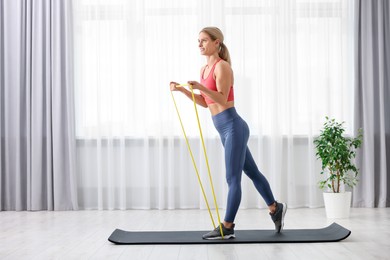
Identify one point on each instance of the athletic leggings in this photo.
(234, 133)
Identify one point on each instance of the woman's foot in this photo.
(277, 215)
(216, 233)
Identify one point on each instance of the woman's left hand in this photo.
(195, 84)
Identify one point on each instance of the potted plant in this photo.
(336, 152)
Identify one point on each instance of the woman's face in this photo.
(206, 45)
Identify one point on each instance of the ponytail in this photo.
(224, 53)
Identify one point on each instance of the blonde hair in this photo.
(215, 33)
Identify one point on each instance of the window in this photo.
(292, 64)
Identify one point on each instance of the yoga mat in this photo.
(332, 233)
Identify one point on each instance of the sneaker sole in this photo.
(220, 238)
(283, 213)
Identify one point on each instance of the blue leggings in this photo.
(234, 133)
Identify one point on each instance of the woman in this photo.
(216, 93)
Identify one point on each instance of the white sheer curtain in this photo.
(293, 65)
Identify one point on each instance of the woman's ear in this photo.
(217, 43)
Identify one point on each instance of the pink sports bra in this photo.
(210, 83)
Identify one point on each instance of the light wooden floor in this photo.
(83, 235)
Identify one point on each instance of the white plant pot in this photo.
(337, 205)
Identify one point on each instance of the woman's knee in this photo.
(233, 179)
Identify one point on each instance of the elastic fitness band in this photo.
(205, 155)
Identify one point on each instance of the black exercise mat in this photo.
(332, 233)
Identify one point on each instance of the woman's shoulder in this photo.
(223, 66)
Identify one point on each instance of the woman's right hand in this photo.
(173, 85)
